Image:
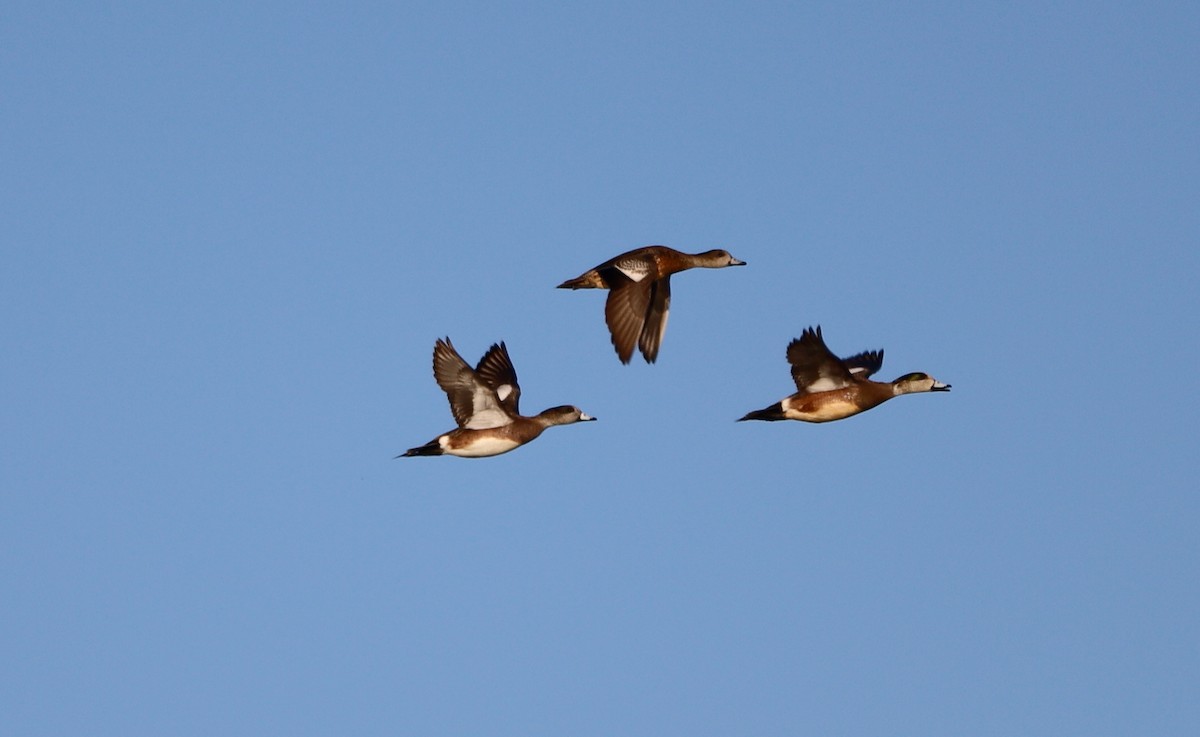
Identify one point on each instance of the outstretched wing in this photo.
(473, 403)
(864, 364)
(496, 370)
(814, 367)
(655, 324)
(625, 312)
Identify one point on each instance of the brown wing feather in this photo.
(812, 361)
(496, 370)
(625, 312)
(655, 324)
(644, 260)
(867, 363)
(455, 378)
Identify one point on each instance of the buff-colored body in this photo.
(832, 388)
(639, 298)
(485, 404)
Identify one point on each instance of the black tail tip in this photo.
(770, 414)
(429, 449)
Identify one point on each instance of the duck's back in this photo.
(648, 262)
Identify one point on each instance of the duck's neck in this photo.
(549, 418)
(708, 261)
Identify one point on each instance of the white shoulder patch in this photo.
(824, 384)
(635, 270)
(488, 418)
(485, 412)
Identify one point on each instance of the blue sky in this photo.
(232, 235)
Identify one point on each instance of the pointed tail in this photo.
(769, 414)
(432, 448)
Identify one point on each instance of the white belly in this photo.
(824, 412)
(481, 447)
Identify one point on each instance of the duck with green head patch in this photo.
(832, 388)
(485, 404)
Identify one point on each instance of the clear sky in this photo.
(232, 232)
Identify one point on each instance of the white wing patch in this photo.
(488, 418)
(503, 391)
(635, 270)
(824, 384)
(485, 413)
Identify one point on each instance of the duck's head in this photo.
(919, 382)
(564, 415)
(718, 258)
